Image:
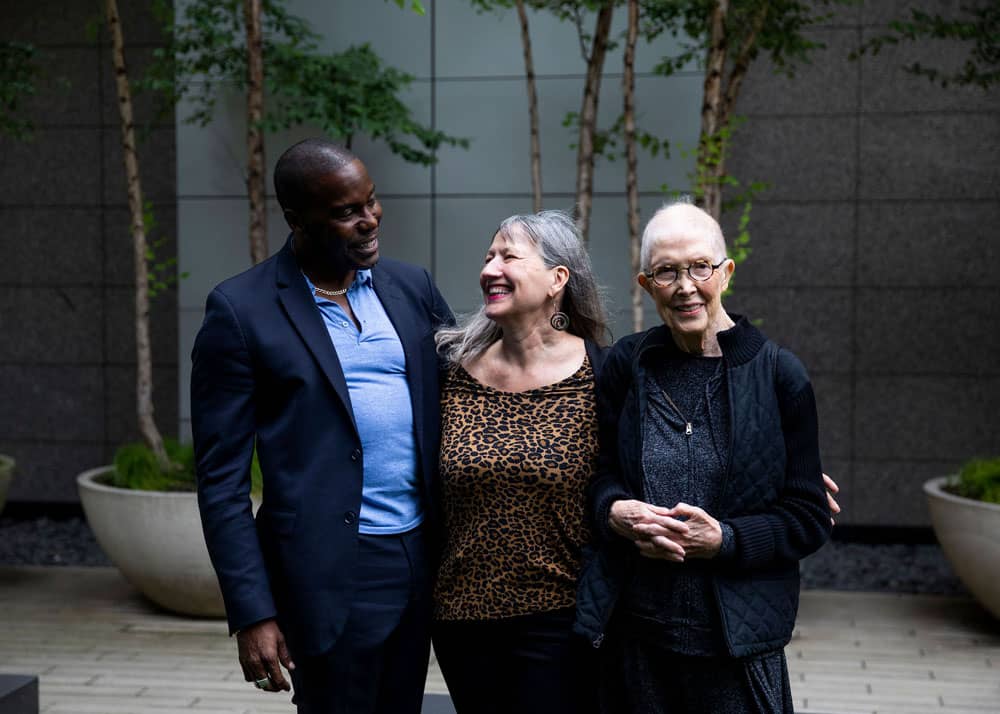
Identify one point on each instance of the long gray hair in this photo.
(555, 236)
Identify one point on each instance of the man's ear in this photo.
(293, 219)
(644, 283)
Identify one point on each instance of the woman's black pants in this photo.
(527, 664)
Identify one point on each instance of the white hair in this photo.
(695, 220)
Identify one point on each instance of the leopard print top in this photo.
(514, 466)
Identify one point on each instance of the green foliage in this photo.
(979, 27)
(18, 73)
(161, 274)
(344, 94)
(738, 195)
(135, 467)
(980, 479)
(415, 5)
(780, 26)
(607, 142)
(349, 93)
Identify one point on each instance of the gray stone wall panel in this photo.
(910, 417)
(826, 84)
(885, 88)
(814, 323)
(58, 168)
(809, 244)
(833, 404)
(51, 246)
(46, 472)
(896, 488)
(52, 402)
(802, 158)
(52, 325)
(65, 91)
(940, 156)
(940, 330)
(923, 243)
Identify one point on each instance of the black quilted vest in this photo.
(757, 607)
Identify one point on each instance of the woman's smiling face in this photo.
(514, 280)
(688, 307)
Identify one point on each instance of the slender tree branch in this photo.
(143, 348)
(742, 63)
(631, 158)
(256, 182)
(588, 119)
(529, 73)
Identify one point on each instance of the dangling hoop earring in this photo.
(559, 321)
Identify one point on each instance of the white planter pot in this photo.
(6, 474)
(156, 540)
(969, 533)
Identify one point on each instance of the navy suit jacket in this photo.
(265, 371)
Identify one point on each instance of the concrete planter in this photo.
(156, 540)
(6, 474)
(969, 533)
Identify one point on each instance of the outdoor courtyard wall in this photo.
(874, 253)
(67, 355)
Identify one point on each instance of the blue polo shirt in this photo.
(375, 369)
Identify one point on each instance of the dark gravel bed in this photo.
(47, 541)
(837, 566)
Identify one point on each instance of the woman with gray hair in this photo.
(518, 447)
(708, 492)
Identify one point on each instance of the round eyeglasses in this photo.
(699, 271)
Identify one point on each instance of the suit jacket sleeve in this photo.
(223, 426)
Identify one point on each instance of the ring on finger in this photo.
(263, 683)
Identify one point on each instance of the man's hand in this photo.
(262, 652)
(652, 528)
(832, 489)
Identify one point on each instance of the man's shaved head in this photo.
(301, 164)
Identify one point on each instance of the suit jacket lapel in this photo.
(301, 310)
(408, 329)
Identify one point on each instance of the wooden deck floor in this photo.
(98, 647)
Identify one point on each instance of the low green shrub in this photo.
(980, 479)
(135, 467)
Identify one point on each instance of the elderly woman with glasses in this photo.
(708, 492)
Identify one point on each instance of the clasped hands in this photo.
(682, 531)
(674, 534)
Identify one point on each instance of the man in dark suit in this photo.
(322, 357)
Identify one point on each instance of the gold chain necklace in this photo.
(331, 293)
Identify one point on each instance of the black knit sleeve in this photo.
(798, 523)
(607, 484)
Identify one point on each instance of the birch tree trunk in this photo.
(710, 188)
(256, 182)
(588, 120)
(536, 146)
(631, 160)
(143, 349)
